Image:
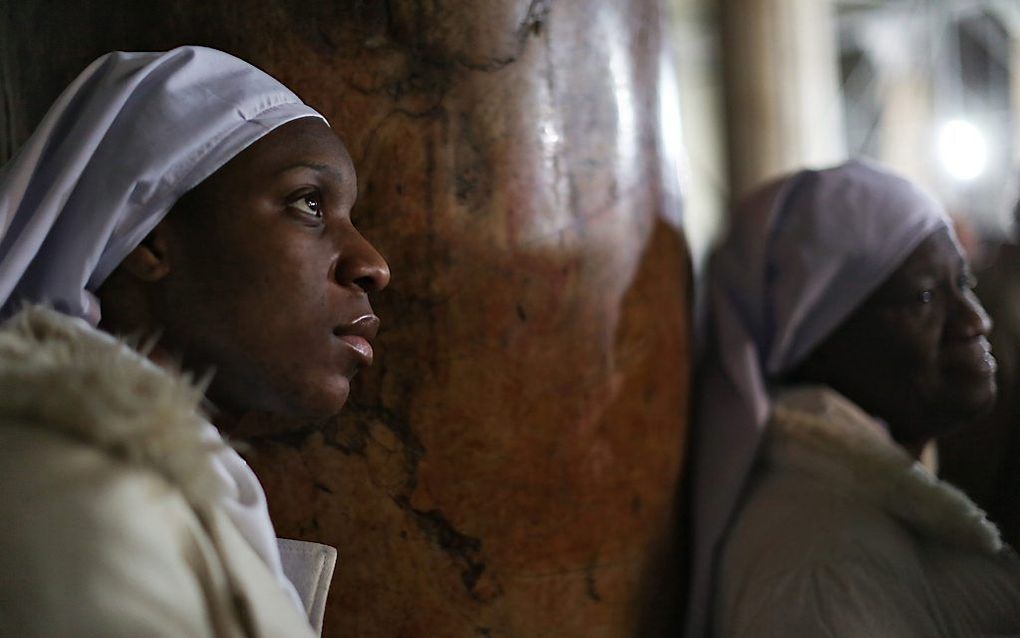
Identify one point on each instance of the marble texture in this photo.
(511, 465)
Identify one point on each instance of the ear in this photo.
(149, 261)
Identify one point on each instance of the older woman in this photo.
(844, 336)
(187, 200)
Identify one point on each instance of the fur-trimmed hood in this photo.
(818, 431)
(58, 372)
(60, 375)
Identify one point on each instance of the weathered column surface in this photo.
(510, 466)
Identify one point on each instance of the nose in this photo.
(360, 264)
(969, 319)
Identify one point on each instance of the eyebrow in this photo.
(328, 169)
(935, 271)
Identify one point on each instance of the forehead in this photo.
(938, 252)
(937, 257)
(306, 141)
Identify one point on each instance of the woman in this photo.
(188, 196)
(844, 336)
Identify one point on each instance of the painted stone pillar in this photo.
(783, 104)
(510, 466)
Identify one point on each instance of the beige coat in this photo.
(108, 521)
(843, 535)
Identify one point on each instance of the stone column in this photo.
(908, 125)
(1009, 14)
(510, 465)
(783, 104)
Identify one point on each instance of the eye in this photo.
(308, 203)
(925, 296)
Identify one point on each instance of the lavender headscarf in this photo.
(124, 141)
(802, 254)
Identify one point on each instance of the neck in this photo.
(915, 449)
(923, 450)
(922, 434)
(225, 420)
(162, 357)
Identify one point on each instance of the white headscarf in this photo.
(127, 138)
(802, 254)
(122, 143)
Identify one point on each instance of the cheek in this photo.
(911, 342)
(287, 300)
(263, 300)
(284, 351)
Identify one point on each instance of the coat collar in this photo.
(817, 430)
(59, 373)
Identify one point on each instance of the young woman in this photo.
(190, 202)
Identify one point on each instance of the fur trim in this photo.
(59, 373)
(818, 430)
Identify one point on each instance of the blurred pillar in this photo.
(907, 124)
(695, 39)
(1008, 15)
(782, 88)
(1014, 92)
(510, 465)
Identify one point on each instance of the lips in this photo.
(358, 336)
(973, 358)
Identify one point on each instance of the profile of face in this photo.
(260, 275)
(915, 353)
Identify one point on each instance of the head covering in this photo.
(124, 141)
(802, 254)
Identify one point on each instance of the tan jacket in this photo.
(843, 535)
(108, 526)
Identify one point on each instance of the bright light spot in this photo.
(547, 133)
(962, 149)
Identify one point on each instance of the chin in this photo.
(310, 397)
(327, 402)
(949, 408)
(982, 396)
(289, 417)
(966, 404)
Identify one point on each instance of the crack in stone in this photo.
(534, 20)
(531, 25)
(472, 186)
(591, 586)
(413, 451)
(322, 487)
(350, 437)
(463, 549)
(290, 437)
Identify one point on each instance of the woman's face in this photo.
(915, 353)
(268, 278)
